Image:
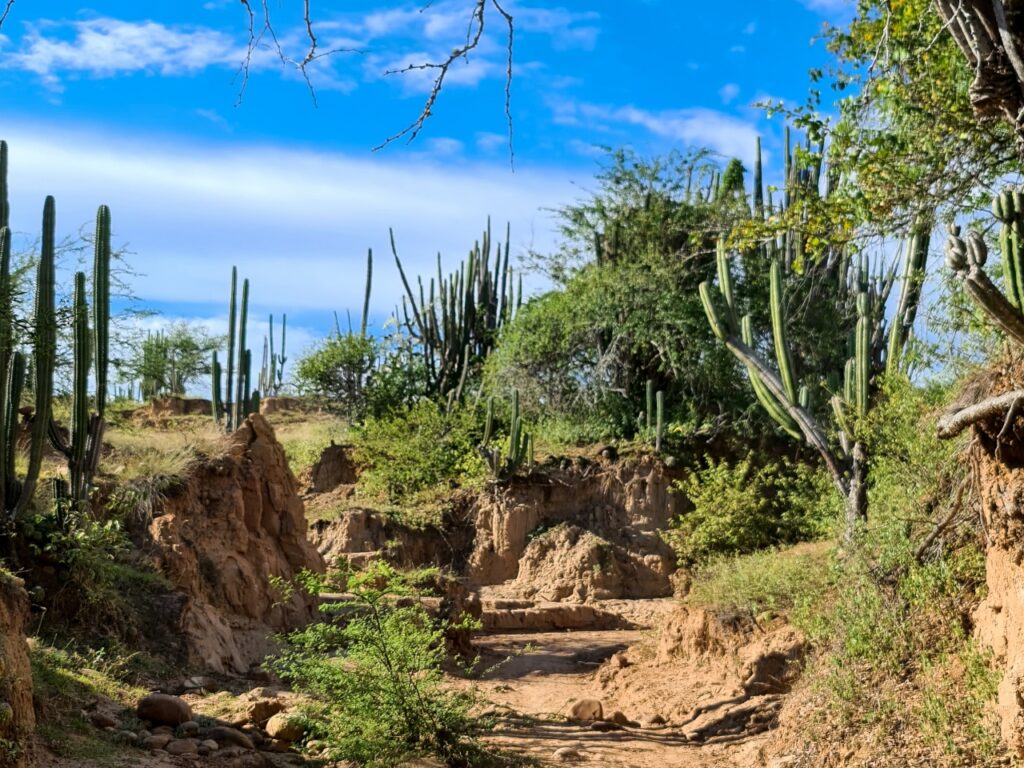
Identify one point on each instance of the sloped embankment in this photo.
(236, 522)
(587, 532)
(17, 717)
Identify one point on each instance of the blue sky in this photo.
(137, 105)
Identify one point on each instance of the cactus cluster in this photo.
(789, 395)
(91, 355)
(652, 419)
(519, 453)
(237, 400)
(456, 319)
(272, 369)
(966, 258)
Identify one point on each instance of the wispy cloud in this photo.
(729, 92)
(296, 222)
(829, 7)
(698, 127)
(106, 47)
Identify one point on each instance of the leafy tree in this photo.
(626, 310)
(339, 370)
(166, 362)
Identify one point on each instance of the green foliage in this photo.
(338, 371)
(907, 134)
(626, 308)
(742, 507)
(775, 580)
(166, 362)
(418, 455)
(376, 680)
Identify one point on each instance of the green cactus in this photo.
(788, 394)
(659, 433)
(240, 399)
(520, 444)
(466, 308)
(82, 449)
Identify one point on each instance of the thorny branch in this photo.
(266, 30)
(261, 29)
(474, 34)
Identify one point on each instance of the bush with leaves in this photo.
(338, 371)
(417, 455)
(375, 677)
(742, 507)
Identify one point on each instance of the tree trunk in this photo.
(990, 33)
(857, 497)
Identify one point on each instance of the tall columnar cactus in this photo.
(787, 393)
(272, 369)
(467, 308)
(238, 400)
(18, 492)
(91, 355)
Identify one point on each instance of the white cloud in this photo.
(106, 47)
(738, 49)
(750, 29)
(491, 142)
(697, 127)
(296, 222)
(445, 147)
(729, 92)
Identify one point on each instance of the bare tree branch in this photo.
(7, 10)
(953, 423)
(474, 34)
(266, 30)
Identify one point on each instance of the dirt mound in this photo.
(576, 565)
(237, 522)
(360, 534)
(334, 468)
(694, 633)
(624, 502)
(164, 407)
(17, 717)
(272, 405)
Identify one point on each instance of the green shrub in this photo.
(741, 507)
(377, 681)
(773, 580)
(338, 371)
(416, 456)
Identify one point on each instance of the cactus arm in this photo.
(910, 297)
(80, 393)
(660, 424)
(366, 297)
(101, 305)
(778, 314)
(215, 402)
(967, 261)
(649, 414)
(232, 311)
(774, 408)
(45, 354)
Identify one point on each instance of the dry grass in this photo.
(304, 436)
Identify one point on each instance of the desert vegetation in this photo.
(739, 485)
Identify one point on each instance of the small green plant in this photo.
(376, 681)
